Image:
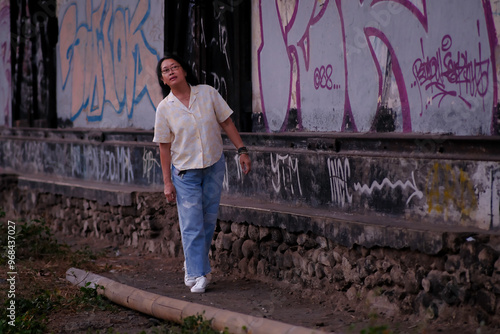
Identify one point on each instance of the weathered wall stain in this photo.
(450, 189)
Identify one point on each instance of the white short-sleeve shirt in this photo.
(194, 132)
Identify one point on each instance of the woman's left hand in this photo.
(245, 163)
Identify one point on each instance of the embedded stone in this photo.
(239, 230)
(411, 283)
(452, 263)
(486, 300)
(263, 268)
(287, 259)
(326, 259)
(487, 258)
(351, 293)
(305, 241)
(236, 249)
(319, 271)
(397, 275)
(450, 294)
(276, 235)
(223, 241)
(135, 239)
(253, 232)
(289, 238)
(248, 248)
(225, 226)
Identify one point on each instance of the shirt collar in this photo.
(194, 92)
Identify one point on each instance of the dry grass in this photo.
(45, 302)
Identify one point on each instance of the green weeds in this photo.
(197, 324)
(382, 329)
(33, 240)
(89, 299)
(30, 314)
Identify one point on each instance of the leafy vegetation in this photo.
(197, 324)
(381, 329)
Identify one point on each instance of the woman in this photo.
(188, 128)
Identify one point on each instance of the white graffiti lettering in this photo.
(103, 165)
(148, 165)
(286, 172)
(339, 174)
(386, 182)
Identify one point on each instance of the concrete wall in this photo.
(385, 66)
(106, 57)
(336, 66)
(443, 182)
(5, 70)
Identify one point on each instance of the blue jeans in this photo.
(198, 198)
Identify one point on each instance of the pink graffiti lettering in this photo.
(323, 77)
(5, 68)
(451, 75)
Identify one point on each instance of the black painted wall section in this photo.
(215, 39)
(34, 31)
(213, 36)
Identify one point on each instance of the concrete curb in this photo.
(175, 310)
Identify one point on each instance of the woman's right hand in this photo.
(169, 191)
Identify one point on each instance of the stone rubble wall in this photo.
(461, 283)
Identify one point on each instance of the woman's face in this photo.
(172, 72)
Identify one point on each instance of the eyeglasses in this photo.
(172, 68)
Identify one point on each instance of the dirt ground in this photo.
(273, 300)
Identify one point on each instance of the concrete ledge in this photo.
(344, 229)
(103, 193)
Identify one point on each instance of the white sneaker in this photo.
(201, 284)
(189, 281)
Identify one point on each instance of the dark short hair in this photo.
(190, 78)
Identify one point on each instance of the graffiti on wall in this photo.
(107, 55)
(219, 45)
(285, 174)
(5, 81)
(101, 164)
(437, 191)
(411, 186)
(35, 157)
(340, 63)
(339, 173)
(149, 165)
